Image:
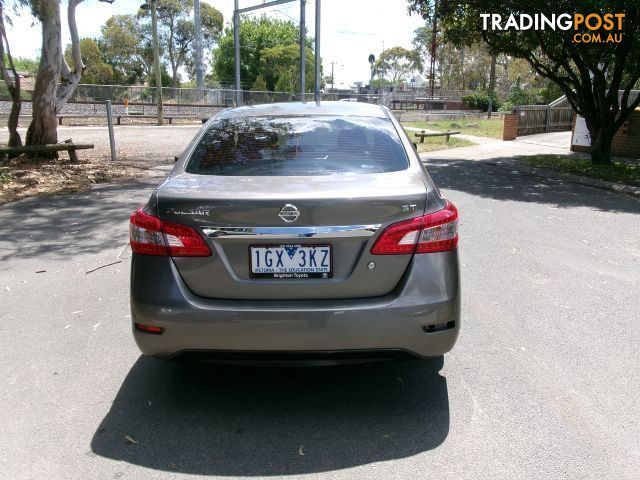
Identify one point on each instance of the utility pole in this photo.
(156, 60)
(236, 47)
(434, 44)
(197, 23)
(303, 56)
(492, 83)
(316, 87)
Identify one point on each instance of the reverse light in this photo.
(434, 232)
(149, 235)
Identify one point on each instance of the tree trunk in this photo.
(12, 124)
(43, 128)
(601, 140)
(13, 85)
(174, 79)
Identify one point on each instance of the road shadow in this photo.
(72, 224)
(502, 183)
(214, 420)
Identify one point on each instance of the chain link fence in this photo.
(190, 97)
(140, 95)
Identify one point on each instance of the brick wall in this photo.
(626, 141)
(510, 126)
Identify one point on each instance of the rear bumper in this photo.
(420, 317)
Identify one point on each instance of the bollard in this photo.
(112, 142)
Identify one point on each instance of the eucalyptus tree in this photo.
(177, 34)
(55, 80)
(398, 63)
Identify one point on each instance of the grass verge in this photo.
(470, 126)
(627, 173)
(438, 143)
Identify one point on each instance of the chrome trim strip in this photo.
(222, 232)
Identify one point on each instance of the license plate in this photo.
(291, 261)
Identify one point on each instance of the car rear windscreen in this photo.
(298, 146)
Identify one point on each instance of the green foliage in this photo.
(24, 64)
(259, 85)
(617, 172)
(5, 95)
(127, 40)
(256, 35)
(437, 143)
(279, 66)
(176, 32)
(165, 77)
(479, 100)
(550, 92)
(479, 127)
(381, 82)
(97, 71)
(519, 96)
(127, 47)
(398, 63)
(5, 177)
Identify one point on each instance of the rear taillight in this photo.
(149, 235)
(434, 232)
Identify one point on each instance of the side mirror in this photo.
(175, 159)
(415, 146)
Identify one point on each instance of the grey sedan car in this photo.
(296, 231)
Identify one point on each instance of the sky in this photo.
(350, 29)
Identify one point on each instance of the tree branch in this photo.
(69, 79)
(75, 38)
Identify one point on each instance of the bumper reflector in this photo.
(149, 328)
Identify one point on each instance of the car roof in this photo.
(359, 109)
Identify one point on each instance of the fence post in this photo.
(547, 126)
(112, 142)
(510, 125)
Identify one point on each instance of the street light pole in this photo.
(156, 60)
